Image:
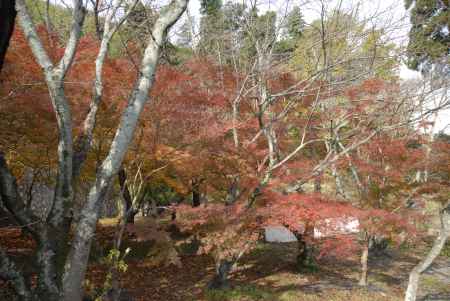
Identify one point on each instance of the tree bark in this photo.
(128, 210)
(53, 236)
(195, 192)
(364, 264)
(305, 250)
(233, 191)
(318, 184)
(220, 280)
(76, 262)
(47, 282)
(338, 181)
(7, 21)
(9, 270)
(422, 266)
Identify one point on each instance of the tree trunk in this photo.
(7, 20)
(422, 266)
(305, 255)
(301, 252)
(318, 184)
(77, 260)
(220, 280)
(377, 245)
(9, 270)
(195, 192)
(233, 191)
(45, 256)
(364, 266)
(129, 211)
(338, 182)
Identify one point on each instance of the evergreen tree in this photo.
(210, 7)
(429, 37)
(211, 26)
(294, 23)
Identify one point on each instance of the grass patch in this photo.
(446, 250)
(335, 295)
(430, 282)
(240, 293)
(252, 292)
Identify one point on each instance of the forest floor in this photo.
(267, 273)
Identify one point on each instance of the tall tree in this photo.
(210, 7)
(61, 271)
(294, 23)
(429, 36)
(211, 27)
(7, 20)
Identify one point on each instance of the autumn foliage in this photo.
(184, 142)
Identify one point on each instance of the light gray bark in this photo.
(54, 76)
(337, 178)
(52, 236)
(77, 260)
(364, 263)
(424, 264)
(83, 143)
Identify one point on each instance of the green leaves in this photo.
(429, 36)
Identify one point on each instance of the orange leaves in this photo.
(397, 226)
(223, 231)
(373, 86)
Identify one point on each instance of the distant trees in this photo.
(294, 23)
(346, 47)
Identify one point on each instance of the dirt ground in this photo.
(268, 273)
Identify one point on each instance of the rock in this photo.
(278, 234)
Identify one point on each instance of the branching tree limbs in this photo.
(57, 281)
(425, 263)
(77, 260)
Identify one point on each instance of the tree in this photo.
(210, 7)
(435, 189)
(283, 115)
(429, 36)
(425, 263)
(7, 20)
(330, 43)
(211, 26)
(56, 280)
(294, 23)
(222, 31)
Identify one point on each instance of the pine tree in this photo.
(429, 37)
